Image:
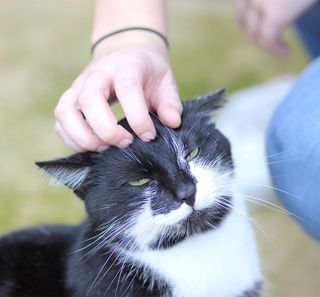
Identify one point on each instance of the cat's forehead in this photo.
(167, 147)
(170, 146)
(192, 124)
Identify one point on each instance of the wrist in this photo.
(111, 15)
(128, 39)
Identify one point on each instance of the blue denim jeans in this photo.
(308, 28)
(293, 148)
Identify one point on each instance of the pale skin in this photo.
(135, 67)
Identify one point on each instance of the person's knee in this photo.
(293, 157)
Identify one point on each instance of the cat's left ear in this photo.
(71, 171)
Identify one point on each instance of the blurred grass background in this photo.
(44, 46)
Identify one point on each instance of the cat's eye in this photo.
(139, 182)
(193, 154)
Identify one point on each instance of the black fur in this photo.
(32, 262)
(253, 292)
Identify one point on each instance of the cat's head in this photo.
(156, 194)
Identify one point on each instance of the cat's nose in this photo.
(187, 193)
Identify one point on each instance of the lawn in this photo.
(45, 44)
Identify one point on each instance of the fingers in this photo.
(93, 104)
(262, 20)
(85, 120)
(129, 90)
(65, 137)
(141, 80)
(72, 127)
(167, 102)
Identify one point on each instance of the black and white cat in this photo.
(162, 221)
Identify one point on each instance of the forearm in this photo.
(113, 15)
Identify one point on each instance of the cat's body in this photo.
(163, 221)
(32, 262)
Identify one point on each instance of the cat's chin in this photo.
(193, 223)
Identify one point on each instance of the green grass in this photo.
(45, 44)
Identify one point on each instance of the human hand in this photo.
(264, 20)
(141, 78)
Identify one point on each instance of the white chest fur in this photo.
(220, 263)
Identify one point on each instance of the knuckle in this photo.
(178, 107)
(57, 128)
(110, 136)
(140, 125)
(127, 83)
(86, 95)
(87, 144)
(59, 111)
(65, 103)
(94, 78)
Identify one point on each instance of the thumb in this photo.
(167, 102)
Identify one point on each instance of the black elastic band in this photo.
(164, 38)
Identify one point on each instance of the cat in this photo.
(162, 221)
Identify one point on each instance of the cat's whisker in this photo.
(270, 187)
(97, 280)
(107, 206)
(242, 165)
(236, 183)
(116, 259)
(287, 151)
(265, 205)
(282, 161)
(117, 230)
(94, 281)
(162, 234)
(131, 282)
(252, 220)
(98, 236)
(106, 238)
(255, 199)
(123, 265)
(270, 205)
(87, 246)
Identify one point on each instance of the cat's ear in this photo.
(71, 171)
(208, 102)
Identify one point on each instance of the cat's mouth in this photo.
(208, 218)
(197, 222)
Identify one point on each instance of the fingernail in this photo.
(102, 148)
(124, 143)
(147, 136)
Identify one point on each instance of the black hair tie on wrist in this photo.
(164, 38)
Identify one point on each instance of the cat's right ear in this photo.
(210, 101)
(71, 171)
